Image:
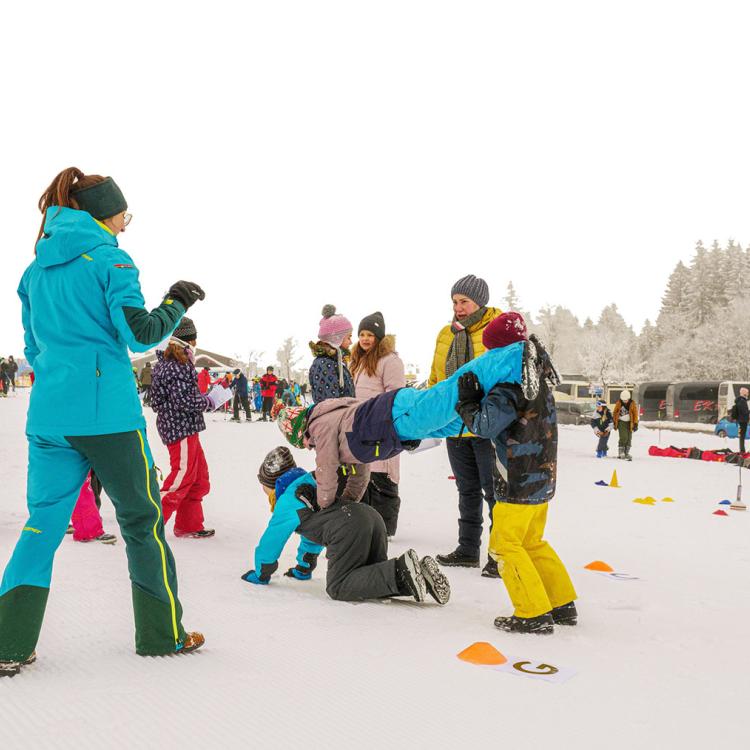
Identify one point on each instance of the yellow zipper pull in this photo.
(377, 449)
(354, 469)
(343, 470)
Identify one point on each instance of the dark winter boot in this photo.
(457, 560)
(566, 614)
(620, 452)
(193, 641)
(490, 570)
(409, 576)
(12, 668)
(540, 625)
(627, 455)
(435, 580)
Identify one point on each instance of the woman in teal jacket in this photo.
(82, 310)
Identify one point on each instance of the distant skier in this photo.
(602, 426)
(353, 534)
(268, 385)
(240, 388)
(625, 419)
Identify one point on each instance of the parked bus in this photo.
(728, 392)
(696, 401)
(651, 398)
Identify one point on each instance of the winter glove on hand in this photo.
(308, 494)
(300, 573)
(635, 428)
(469, 388)
(252, 577)
(470, 394)
(186, 293)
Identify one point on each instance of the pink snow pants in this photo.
(186, 486)
(87, 523)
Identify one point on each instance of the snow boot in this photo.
(565, 614)
(409, 576)
(599, 454)
(435, 580)
(620, 452)
(540, 625)
(193, 641)
(201, 534)
(627, 455)
(456, 559)
(490, 570)
(70, 529)
(12, 668)
(103, 538)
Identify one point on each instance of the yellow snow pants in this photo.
(532, 572)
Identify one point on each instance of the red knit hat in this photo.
(505, 329)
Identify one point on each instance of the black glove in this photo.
(635, 428)
(469, 388)
(308, 494)
(470, 394)
(186, 293)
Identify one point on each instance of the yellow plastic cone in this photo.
(482, 653)
(613, 481)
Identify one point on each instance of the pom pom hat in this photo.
(505, 329)
(333, 329)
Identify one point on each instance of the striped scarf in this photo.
(461, 349)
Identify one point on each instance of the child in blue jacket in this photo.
(354, 534)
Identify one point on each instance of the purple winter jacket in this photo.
(176, 399)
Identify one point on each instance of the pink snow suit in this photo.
(87, 523)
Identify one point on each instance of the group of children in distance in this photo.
(504, 395)
(625, 421)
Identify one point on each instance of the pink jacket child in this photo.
(86, 520)
(382, 491)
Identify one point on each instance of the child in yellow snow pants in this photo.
(534, 575)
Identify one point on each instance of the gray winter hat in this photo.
(374, 323)
(474, 288)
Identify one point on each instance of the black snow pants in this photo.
(382, 494)
(241, 398)
(356, 549)
(267, 404)
(741, 432)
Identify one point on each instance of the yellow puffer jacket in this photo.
(445, 339)
(443, 345)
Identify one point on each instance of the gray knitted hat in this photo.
(474, 288)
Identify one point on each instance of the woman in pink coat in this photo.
(377, 368)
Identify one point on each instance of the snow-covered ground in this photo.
(661, 662)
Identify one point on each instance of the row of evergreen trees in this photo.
(701, 332)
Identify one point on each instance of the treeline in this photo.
(702, 331)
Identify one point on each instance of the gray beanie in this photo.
(474, 288)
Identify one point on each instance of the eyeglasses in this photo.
(126, 219)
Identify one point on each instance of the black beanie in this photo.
(276, 463)
(185, 330)
(374, 324)
(102, 200)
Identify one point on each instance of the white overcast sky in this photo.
(289, 154)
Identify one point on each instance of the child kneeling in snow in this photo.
(521, 420)
(354, 535)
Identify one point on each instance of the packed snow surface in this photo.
(661, 662)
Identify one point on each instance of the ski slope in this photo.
(660, 662)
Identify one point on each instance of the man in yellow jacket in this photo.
(472, 458)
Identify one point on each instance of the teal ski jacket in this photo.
(82, 310)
